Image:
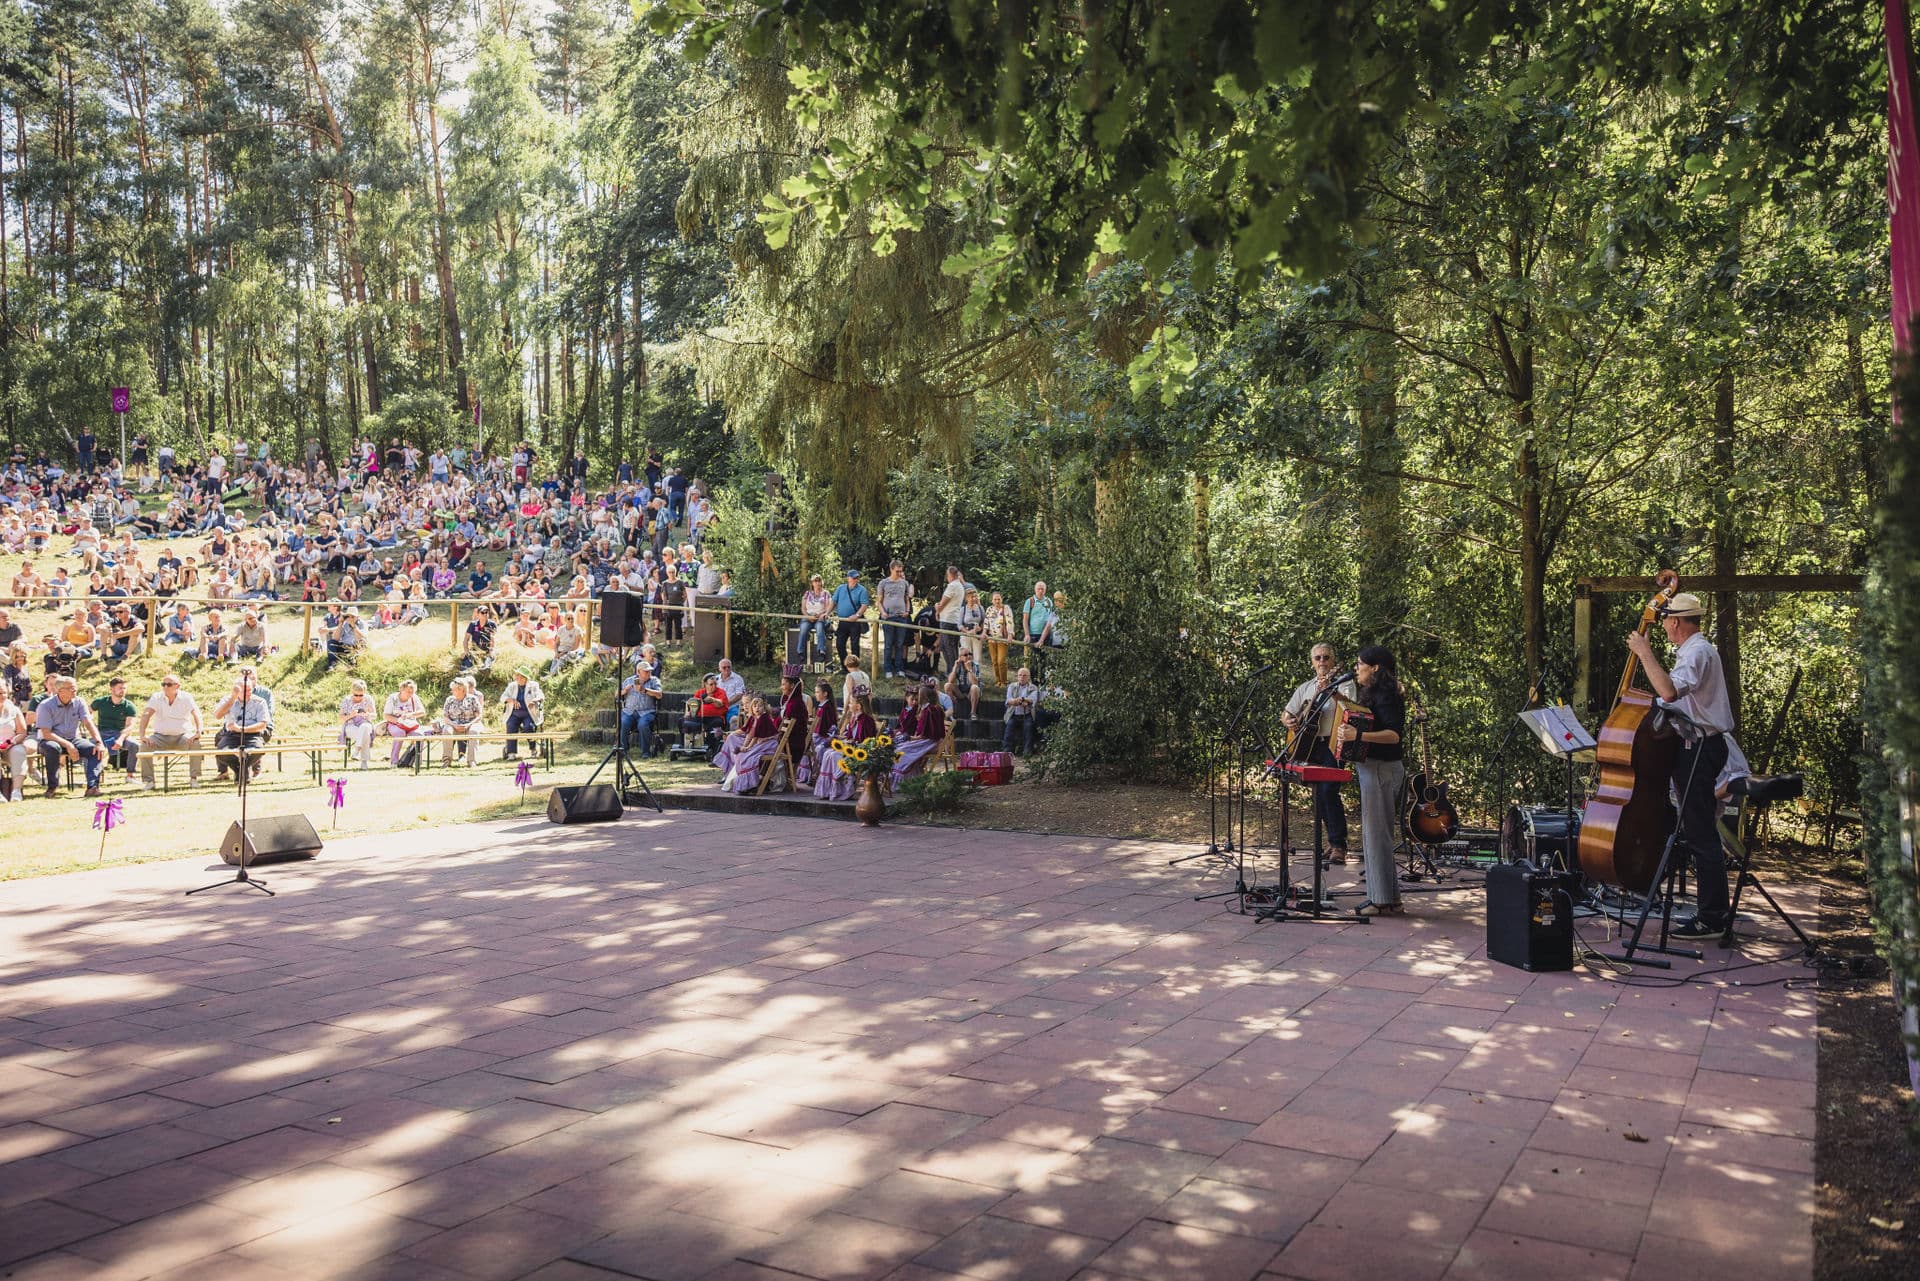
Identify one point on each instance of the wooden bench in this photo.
(545, 740)
(314, 752)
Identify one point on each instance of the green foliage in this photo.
(1892, 676)
(944, 792)
(1136, 667)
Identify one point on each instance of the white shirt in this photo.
(736, 686)
(180, 716)
(1309, 690)
(1701, 684)
(952, 598)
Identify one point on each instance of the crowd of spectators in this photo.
(183, 553)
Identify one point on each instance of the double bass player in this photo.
(1696, 687)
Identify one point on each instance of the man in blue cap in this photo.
(850, 601)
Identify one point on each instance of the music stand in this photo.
(243, 753)
(1560, 734)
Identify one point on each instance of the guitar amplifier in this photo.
(1530, 917)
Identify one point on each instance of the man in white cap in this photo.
(1697, 689)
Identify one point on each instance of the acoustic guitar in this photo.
(1625, 827)
(1431, 818)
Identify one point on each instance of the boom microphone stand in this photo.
(240, 877)
(1229, 738)
(625, 773)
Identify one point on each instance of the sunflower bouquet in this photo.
(868, 758)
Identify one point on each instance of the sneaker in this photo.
(1698, 928)
(148, 786)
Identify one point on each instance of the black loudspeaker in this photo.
(270, 840)
(623, 619)
(1530, 917)
(596, 804)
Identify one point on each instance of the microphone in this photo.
(1260, 671)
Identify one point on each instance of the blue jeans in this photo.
(636, 730)
(52, 755)
(893, 635)
(518, 722)
(821, 638)
(1025, 725)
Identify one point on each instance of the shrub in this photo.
(942, 793)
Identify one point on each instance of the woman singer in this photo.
(1382, 775)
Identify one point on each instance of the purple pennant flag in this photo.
(107, 815)
(523, 775)
(336, 793)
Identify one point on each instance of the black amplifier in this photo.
(1530, 916)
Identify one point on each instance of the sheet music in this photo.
(1559, 730)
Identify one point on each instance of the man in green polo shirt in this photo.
(112, 713)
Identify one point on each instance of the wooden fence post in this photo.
(306, 627)
(453, 612)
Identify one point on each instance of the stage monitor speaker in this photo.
(1530, 917)
(599, 803)
(623, 619)
(709, 637)
(270, 840)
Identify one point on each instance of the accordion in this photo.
(1348, 712)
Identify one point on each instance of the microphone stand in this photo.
(1228, 737)
(241, 877)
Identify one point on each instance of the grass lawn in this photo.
(45, 836)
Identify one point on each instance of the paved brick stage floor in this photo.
(710, 1046)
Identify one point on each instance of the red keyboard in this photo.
(1312, 773)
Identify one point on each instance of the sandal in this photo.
(1337, 854)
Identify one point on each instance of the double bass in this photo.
(1628, 819)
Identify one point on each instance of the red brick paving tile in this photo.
(503, 1243)
(30, 1138)
(1503, 1110)
(32, 1227)
(838, 1247)
(1572, 1217)
(142, 1194)
(999, 1163)
(447, 1198)
(1636, 1058)
(921, 1201)
(1139, 1165)
(137, 1149)
(1436, 1218)
(1183, 1131)
(62, 1266)
(960, 1094)
(1797, 1123)
(763, 1199)
(129, 1112)
(570, 1270)
(1628, 1084)
(1241, 1210)
(997, 1249)
(1688, 1258)
(1612, 1182)
(1167, 1251)
(304, 1193)
(264, 1155)
(1330, 1136)
(1499, 1256)
(1586, 1124)
(1747, 1147)
(1104, 1210)
(41, 1176)
(1322, 1253)
(174, 1238)
(1046, 1127)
